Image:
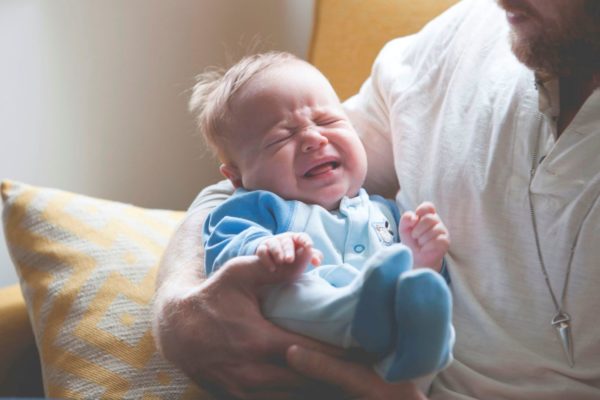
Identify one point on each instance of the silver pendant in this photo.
(561, 322)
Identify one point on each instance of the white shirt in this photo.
(457, 117)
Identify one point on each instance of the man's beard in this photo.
(563, 51)
(557, 57)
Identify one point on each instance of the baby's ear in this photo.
(232, 173)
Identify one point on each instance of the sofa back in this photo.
(348, 34)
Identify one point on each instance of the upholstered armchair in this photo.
(86, 278)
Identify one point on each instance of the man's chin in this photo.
(539, 55)
(554, 52)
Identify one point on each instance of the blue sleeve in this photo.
(236, 227)
(444, 271)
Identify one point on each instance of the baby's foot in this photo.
(374, 325)
(424, 331)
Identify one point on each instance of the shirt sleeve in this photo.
(239, 225)
(368, 113)
(403, 63)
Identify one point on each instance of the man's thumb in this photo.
(249, 271)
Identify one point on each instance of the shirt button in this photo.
(359, 248)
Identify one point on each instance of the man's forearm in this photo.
(183, 260)
(181, 270)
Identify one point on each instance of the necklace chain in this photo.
(561, 320)
(557, 305)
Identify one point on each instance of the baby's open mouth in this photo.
(322, 169)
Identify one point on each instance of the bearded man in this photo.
(492, 112)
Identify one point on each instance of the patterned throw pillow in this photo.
(87, 270)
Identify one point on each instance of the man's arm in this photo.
(368, 113)
(357, 380)
(213, 329)
(184, 246)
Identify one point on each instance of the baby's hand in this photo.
(426, 235)
(288, 248)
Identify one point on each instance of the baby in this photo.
(298, 166)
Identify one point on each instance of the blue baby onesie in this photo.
(322, 303)
(358, 229)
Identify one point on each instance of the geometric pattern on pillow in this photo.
(87, 269)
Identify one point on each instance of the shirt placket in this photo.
(356, 244)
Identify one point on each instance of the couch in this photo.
(347, 35)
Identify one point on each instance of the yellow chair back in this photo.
(348, 34)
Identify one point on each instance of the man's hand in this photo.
(426, 235)
(213, 329)
(356, 380)
(286, 248)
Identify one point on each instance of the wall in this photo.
(93, 94)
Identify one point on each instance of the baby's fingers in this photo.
(440, 244)
(276, 247)
(265, 257)
(436, 231)
(425, 208)
(426, 223)
(288, 250)
(302, 240)
(407, 221)
(317, 257)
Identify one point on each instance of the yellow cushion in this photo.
(348, 34)
(15, 330)
(87, 268)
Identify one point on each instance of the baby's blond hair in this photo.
(214, 88)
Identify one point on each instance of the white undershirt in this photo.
(455, 117)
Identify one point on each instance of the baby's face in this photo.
(289, 135)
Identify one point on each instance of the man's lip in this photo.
(516, 11)
(515, 17)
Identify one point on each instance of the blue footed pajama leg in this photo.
(374, 322)
(425, 334)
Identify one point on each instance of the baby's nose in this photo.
(312, 139)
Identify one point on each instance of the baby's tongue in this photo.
(320, 169)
